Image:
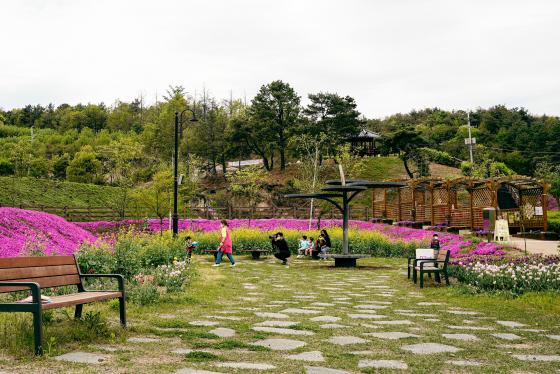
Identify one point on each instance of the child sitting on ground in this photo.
(303, 244)
(310, 244)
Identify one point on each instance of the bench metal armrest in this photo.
(118, 277)
(33, 286)
(434, 262)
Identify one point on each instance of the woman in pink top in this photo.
(226, 245)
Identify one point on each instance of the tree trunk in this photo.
(282, 158)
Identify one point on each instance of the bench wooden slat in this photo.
(80, 298)
(37, 272)
(46, 282)
(22, 262)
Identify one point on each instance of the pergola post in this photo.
(432, 213)
(471, 208)
(545, 206)
(385, 203)
(399, 215)
(413, 210)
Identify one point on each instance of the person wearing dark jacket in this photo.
(282, 246)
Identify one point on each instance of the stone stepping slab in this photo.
(82, 358)
(505, 336)
(279, 344)
(364, 306)
(323, 370)
(143, 339)
(276, 323)
(383, 364)
(463, 337)
(543, 358)
(463, 312)
(478, 328)
(300, 311)
(223, 332)
(282, 331)
(553, 337)
(464, 362)
(510, 324)
(312, 356)
(366, 316)
(325, 319)
(195, 371)
(271, 315)
(203, 323)
(394, 322)
(245, 365)
(430, 348)
(346, 340)
(332, 326)
(395, 335)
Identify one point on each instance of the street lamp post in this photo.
(178, 130)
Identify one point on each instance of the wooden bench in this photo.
(36, 273)
(436, 266)
(256, 253)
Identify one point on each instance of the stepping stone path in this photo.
(271, 315)
(325, 319)
(510, 324)
(463, 337)
(223, 332)
(383, 364)
(280, 344)
(195, 371)
(245, 365)
(507, 336)
(312, 356)
(277, 323)
(430, 348)
(332, 326)
(464, 363)
(366, 316)
(391, 335)
(545, 358)
(283, 331)
(203, 323)
(322, 370)
(142, 339)
(82, 358)
(299, 311)
(346, 340)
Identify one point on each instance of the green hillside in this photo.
(37, 192)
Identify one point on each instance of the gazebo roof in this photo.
(366, 134)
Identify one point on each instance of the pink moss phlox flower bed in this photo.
(27, 230)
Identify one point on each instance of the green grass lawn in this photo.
(36, 192)
(232, 296)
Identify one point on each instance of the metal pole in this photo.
(346, 208)
(470, 137)
(175, 217)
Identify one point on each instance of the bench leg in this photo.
(408, 273)
(122, 311)
(446, 278)
(38, 332)
(438, 277)
(414, 276)
(256, 255)
(78, 312)
(421, 279)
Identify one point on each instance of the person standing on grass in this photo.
(434, 244)
(226, 245)
(283, 250)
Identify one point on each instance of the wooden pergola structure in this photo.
(459, 202)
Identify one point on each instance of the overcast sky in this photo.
(390, 55)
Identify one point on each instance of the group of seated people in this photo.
(317, 249)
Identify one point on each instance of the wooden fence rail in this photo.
(89, 214)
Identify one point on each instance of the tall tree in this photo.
(276, 107)
(331, 114)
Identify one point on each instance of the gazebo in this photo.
(459, 202)
(363, 144)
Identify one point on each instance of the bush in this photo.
(554, 221)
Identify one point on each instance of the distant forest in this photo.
(97, 143)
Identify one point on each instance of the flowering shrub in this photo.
(534, 273)
(25, 230)
(173, 277)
